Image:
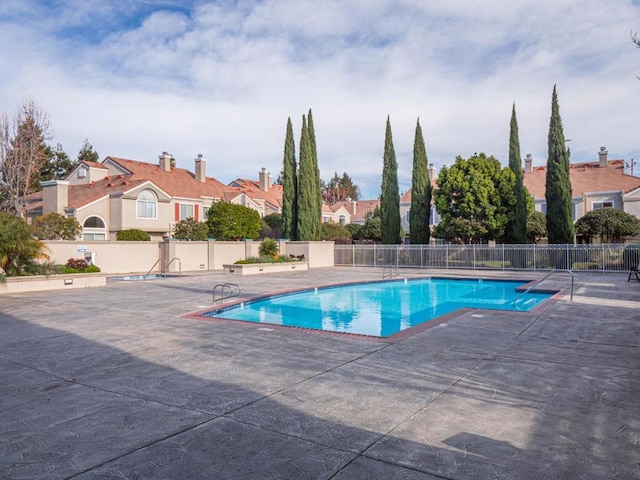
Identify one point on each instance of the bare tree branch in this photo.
(22, 153)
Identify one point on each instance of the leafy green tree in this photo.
(330, 231)
(271, 226)
(339, 189)
(419, 231)
(558, 185)
(353, 229)
(372, 228)
(18, 247)
(55, 226)
(308, 190)
(57, 165)
(289, 187)
(191, 230)
(87, 153)
(516, 228)
(473, 199)
(133, 235)
(390, 196)
(228, 221)
(536, 227)
(610, 224)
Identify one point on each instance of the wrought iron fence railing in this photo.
(601, 257)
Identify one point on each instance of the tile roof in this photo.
(253, 191)
(362, 208)
(586, 177)
(177, 182)
(94, 164)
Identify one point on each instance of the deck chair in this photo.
(635, 270)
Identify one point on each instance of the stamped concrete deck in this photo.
(112, 382)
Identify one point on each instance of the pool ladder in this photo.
(163, 272)
(391, 273)
(538, 282)
(232, 289)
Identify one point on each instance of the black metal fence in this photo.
(601, 258)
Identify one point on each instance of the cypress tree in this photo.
(419, 232)
(390, 195)
(516, 229)
(558, 185)
(289, 187)
(308, 214)
(316, 181)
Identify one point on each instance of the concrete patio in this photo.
(112, 382)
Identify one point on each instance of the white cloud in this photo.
(221, 78)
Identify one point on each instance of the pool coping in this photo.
(396, 337)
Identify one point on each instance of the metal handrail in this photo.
(538, 282)
(391, 274)
(164, 270)
(152, 267)
(234, 291)
(166, 267)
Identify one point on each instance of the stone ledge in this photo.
(258, 268)
(38, 283)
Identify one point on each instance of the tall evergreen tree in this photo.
(289, 187)
(308, 213)
(57, 165)
(390, 195)
(420, 212)
(87, 153)
(516, 228)
(558, 185)
(317, 182)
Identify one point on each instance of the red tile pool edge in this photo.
(396, 337)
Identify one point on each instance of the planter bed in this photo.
(39, 283)
(257, 268)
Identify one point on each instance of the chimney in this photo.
(201, 168)
(165, 161)
(265, 179)
(602, 156)
(528, 163)
(55, 196)
(432, 172)
(353, 207)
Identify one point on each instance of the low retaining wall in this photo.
(257, 268)
(53, 282)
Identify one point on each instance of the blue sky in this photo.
(221, 77)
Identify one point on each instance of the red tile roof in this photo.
(252, 189)
(586, 177)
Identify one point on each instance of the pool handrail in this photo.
(163, 272)
(538, 282)
(234, 291)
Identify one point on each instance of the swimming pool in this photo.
(150, 276)
(381, 308)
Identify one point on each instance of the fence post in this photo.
(353, 255)
(398, 257)
(474, 255)
(503, 257)
(375, 256)
(602, 257)
(569, 264)
(534, 257)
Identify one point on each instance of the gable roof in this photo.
(252, 188)
(586, 177)
(177, 182)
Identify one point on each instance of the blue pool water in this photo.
(381, 308)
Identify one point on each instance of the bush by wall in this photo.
(133, 235)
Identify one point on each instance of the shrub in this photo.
(190, 229)
(329, 231)
(251, 260)
(228, 221)
(342, 241)
(269, 248)
(54, 226)
(77, 263)
(133, 235)
(17, 246)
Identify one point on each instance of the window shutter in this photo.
(177, 212)
(195, 212)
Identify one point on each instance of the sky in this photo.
(220, 78)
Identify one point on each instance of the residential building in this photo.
(598, 184)
(119, 194)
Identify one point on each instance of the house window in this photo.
(94, 228)
(205, 212)
(406, 215)
(601, 205)
(543, 208)
(342, 219)
(147, 204)
(432, 215)
(186, 211)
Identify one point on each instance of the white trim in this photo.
(138, 217)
